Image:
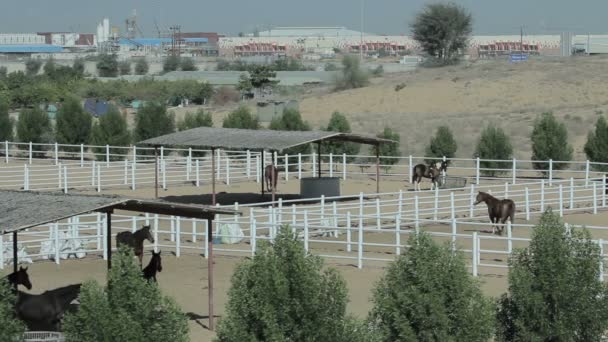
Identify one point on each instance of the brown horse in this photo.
(423, 171)
(135, 240)
(271, 175)
(498, 210)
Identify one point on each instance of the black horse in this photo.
(19, 278)
(425, 171)
(154, 266)
(135, 241)
(44, 312)
(498, 210)
(271, 175)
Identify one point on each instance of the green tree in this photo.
(141, 66)
(389, 149)
(129, 309)
(443, 30)
(11, 328)
(352, 75)
(554, 289)
(596, 147)
(111, 129)
(285, 294)
(339, 123)
(73, 124)
(193, 120)
(50, 68)
(494, 144)
(244, 85)
(32, 67)
(152, 120)
(78, 67)
(241, 118)
(262, 78)
(550, 141)
(6, 124)
(124, 67)
(34, 126)
(3, 72)
(171, 63)
(187, 64)
(291, 120)
(428, 294)
(107, 66)
(442, 144)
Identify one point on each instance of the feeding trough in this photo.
(453, 183)
(43, 336)
(314, 187)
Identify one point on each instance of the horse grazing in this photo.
(271, 175)
(153, 267)
(498, 210)
(44, 312)
(423, 171)
(19, 278)
(135, 240)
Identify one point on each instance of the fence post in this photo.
(59, 176)
(107, 155)
(133, 166)
(542, 196)
(348, 232)
(218, 167)
(178, 237)
(601, 243)
(587, 173)
(360, 244)
(275, 158)
(454, 232)
(197, 170)
(299, 165)
(257, 169)
(253, 237)
(452, 207)
(604, 191)
(527, 204)
(416, 224)
(26, 177)
(322, 207)
(126, 172)
(331, 164)
(155, 232)
(571, 193)
(163, 167)
(306, 231)
(477, 171)
(397, 235)
(98, 178)
(6, 161)
(286, 159)
(134, 153)
(378, 220)
(65, 179)
(550, 172)
(30, 154)
(400, 203)
(58, 248)
(1, 252)
(172, 228)
(561, 201)
(189, 164)
(436, 203)
(193, 230)
(594, 198)
(514, 172)
(93, 169)
(506, 190)
(104, 239)
(314, 164)
(472, 201)
(361, 206)
(474, 252)
(409, 170)
(248, 164)
(56, 154)
(81, 155)
(509, 236)
(227, 171)
(343, 166)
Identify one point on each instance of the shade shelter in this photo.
(257, 140)
(22, 210)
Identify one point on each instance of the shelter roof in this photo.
(23, 209)
(254, 139)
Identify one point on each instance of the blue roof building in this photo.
(30, 49)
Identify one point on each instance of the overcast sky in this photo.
(233, 16)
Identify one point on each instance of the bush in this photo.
(187, 64)
(389, 149)
(331, 67)
(78, 67)
(171, 63)
(284, 294)
(428, 294)
(494, 144)
(241, 118)
(554, 289)
(352, 75)
(596, 147)
(34, 126)
(124, 67)
(50, 68)
(3, 72)
(152, 120)
(378, 71)
(129, 309)
(110, 130)
(339, 123)
(141, 66)
(107, 66)
(550, 141)
(291, 120)
(442, 144)
(225, 95)
(73, 124)
(11, 328)
(193, 120)
(6, 124)
(32, 67)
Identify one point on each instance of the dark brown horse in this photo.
(153, 267)
(19, 278)
(135, 240)
(498, 210)
(425, 171)
(271, 175)
(44, 312)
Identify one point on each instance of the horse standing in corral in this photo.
(442, 166)
(425, 171)
(135, 241)
(498, 210)
(19, 278)
(271, 175)
(153, 267)
(44, 312)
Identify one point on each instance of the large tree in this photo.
(110, 130)
(34, 126)
(6, 124)
(389, 149)
(241, 118)
(550, 141)
(352, 75)
(339, 123)
(152, 120)
(291, 120)
(107, 65)
(141, 66)
(494, 145)
(442, 144)
(442, 30)
(73, 124)
(596, 147)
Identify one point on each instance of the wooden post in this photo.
(213, 176)
(109, 237)
(319, 161)
(210, 270)
(377, 168)
(15, 256)
(155, 171)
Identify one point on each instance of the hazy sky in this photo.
(233, 16)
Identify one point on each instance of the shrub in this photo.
(107, 66)
(378, 71)
(554, 289)
(110, 130)
(494, 144)
(339, 123)
(73, 124)
(225, 95)
(129, 309)
(32, 67)
(352, 75)
(171, 63)
(284, 294)
(193, 120)
(442, 144)
(11, 328)
(331, 67)
(291, 120)
(241, 118)
(152, 120)
(6, 124)
(141, 66)
(78, 67)
(428, 294)
(34, 126)
(187, 64)
(389, 149)
(596, 147)
(550, 141)
(124, 67)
